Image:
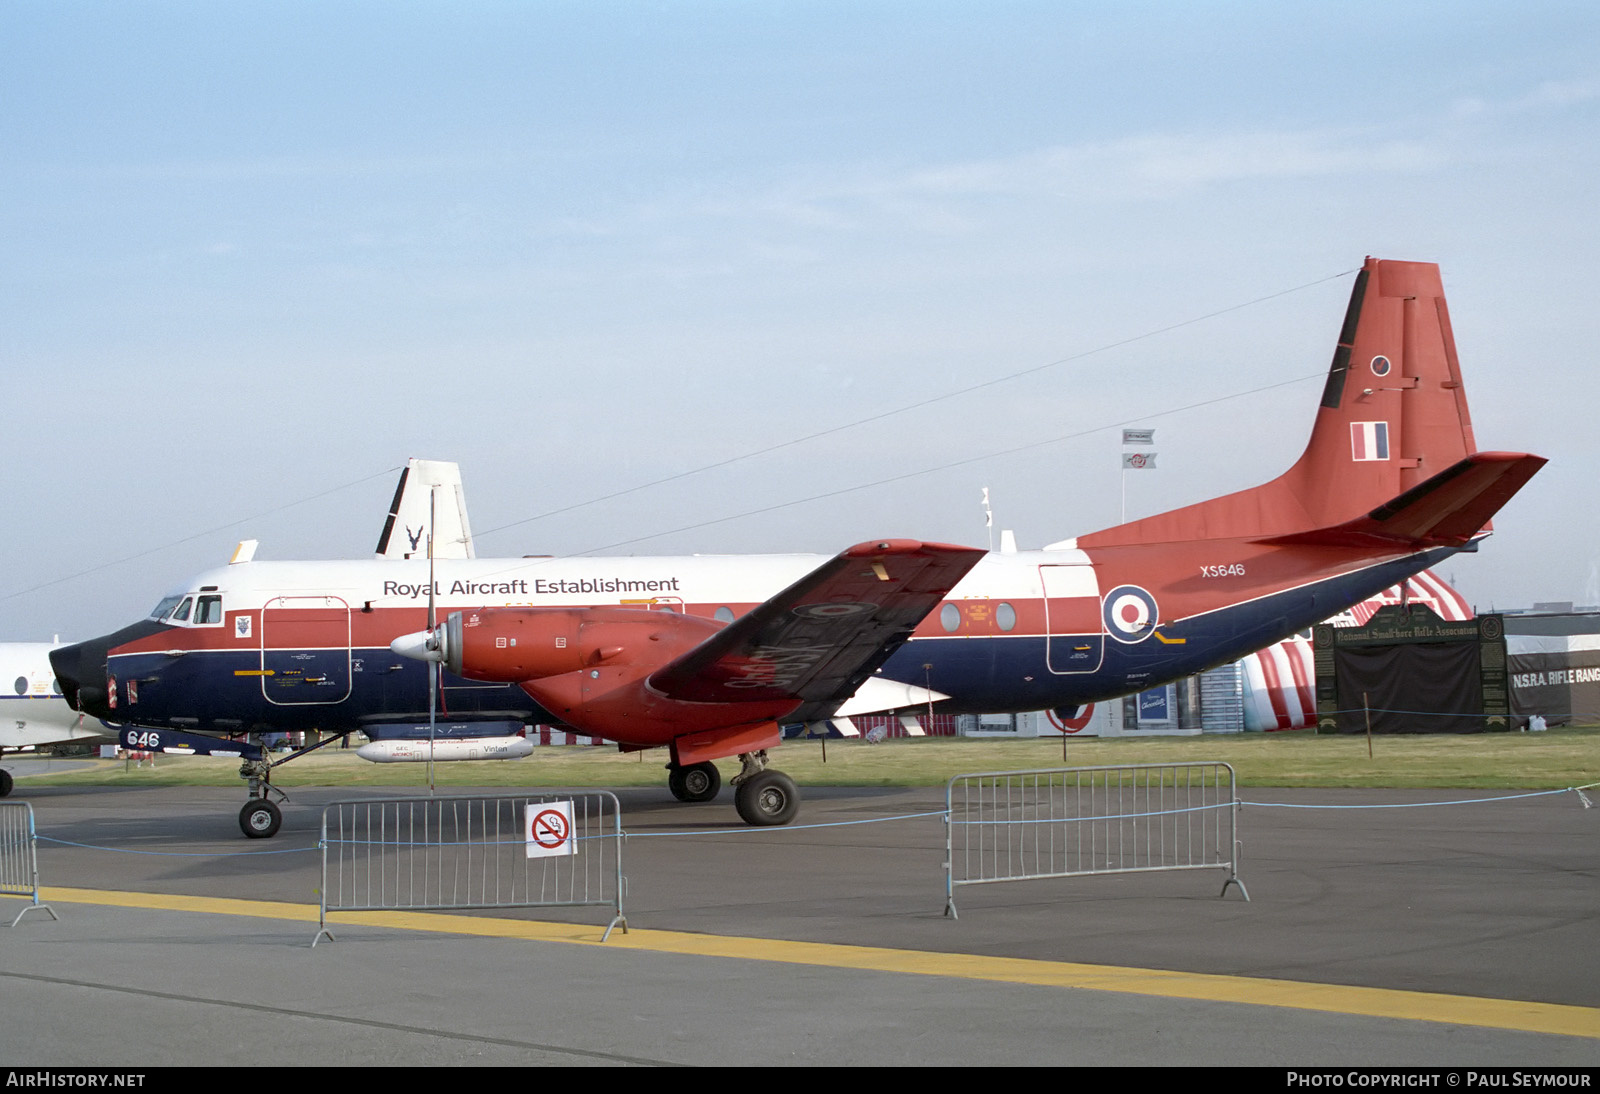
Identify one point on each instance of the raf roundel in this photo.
(1130, 614)
(831, 611)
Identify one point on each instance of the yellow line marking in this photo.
(1170, 641)
(1510, 1014)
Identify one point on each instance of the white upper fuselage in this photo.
(734, 581)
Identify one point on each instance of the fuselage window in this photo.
(723, 614)
(1005, 616)
(22, 685)
(950, 618)
(208, 610)
(182, 614)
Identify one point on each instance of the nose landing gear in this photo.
(260, 819)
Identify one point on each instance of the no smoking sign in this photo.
(547, 829)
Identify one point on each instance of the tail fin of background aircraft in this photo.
(405, 532)
(1393, 418)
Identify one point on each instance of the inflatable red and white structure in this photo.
(1280, 683)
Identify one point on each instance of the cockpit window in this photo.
(164, 608)
(207, 610)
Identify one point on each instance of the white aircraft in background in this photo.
(32, 709)
(428, 500)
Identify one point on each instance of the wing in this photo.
(822, 636)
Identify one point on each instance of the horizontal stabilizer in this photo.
(1447, 510)
(820, 638)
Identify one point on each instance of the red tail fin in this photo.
(1393, 416)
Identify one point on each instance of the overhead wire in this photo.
(199, 535)
(908, 407)
(780, 446)
(1144, 417)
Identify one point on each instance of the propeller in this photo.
(433, 623)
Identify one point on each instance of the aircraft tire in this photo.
(260, 819)
(5, 783)
(766, 799)
(695, 783)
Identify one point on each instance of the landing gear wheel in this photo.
(5, 783)
(260, 819)
(767, 798)
(695, 783)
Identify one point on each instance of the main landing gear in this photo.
(694, 782)
(762, 796)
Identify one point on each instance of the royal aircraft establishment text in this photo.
(539, 586)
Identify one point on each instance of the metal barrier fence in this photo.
(1068, 822)
(436, 854)
(19, 857)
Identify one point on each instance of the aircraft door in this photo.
(1075, 641)
(305, 650)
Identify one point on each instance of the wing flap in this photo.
(822, 636)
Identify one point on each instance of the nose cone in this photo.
(81, 668)
(81, 672)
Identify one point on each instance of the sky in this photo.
(255, 255)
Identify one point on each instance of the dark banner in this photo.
(1410, 688)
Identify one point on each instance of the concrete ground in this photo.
(1450, 935)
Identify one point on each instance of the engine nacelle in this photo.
(513, 645)
(590, 668)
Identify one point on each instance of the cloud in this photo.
(947, 198)
(944, 197)
(1548, 97)
(1559, 93)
